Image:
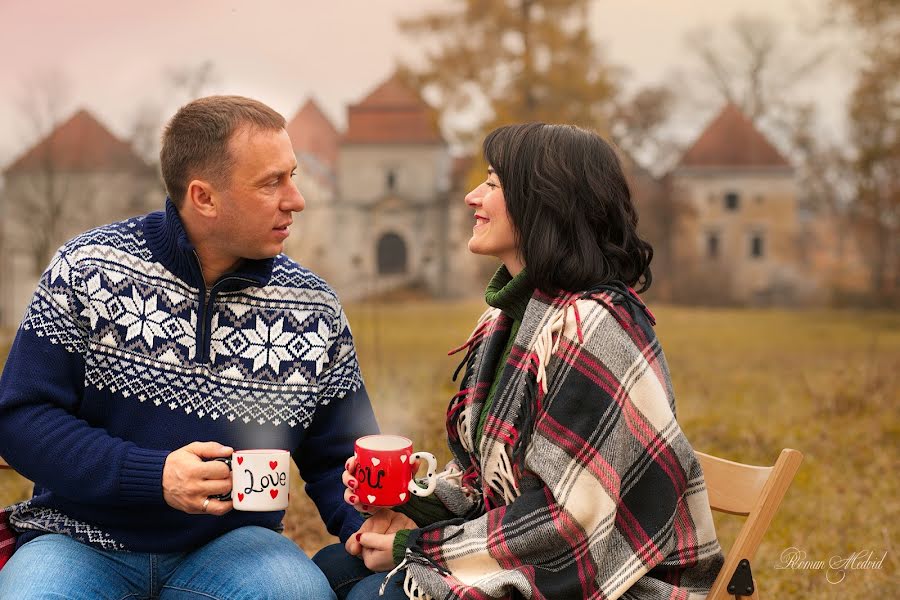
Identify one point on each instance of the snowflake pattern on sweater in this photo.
(139, 325)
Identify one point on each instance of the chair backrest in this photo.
(751, 491)
(3, 464)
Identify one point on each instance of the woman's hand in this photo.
(349, 479)
(351, 496)
(374, 541)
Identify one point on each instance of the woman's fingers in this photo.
(352, 499)
(349, 469)
(377, 541)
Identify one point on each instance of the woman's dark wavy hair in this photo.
(567, 197)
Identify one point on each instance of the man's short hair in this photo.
(195, 142)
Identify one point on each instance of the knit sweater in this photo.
(511, 295)
(124, 355)
(583, 484)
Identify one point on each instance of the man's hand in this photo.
(188, 480)
(375, 539)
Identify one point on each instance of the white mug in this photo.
(260, 479)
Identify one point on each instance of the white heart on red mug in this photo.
(403, 458)
(371, 499)
(376, 461)
(403, 497)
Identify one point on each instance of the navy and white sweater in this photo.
(124, 356)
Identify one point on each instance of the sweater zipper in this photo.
(206, 300)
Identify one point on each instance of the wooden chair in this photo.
(749, 491)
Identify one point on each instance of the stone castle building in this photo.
(728, 229)
(737, 221)
(385, 209)
(77, 177)
(382, 208)
(394, 217)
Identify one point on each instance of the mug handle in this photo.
(432, 480)
(223, 497)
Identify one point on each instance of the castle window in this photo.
(732, 201)
(712, 244)
(390, 180)
(757, 246)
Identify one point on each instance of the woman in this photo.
(571, 477)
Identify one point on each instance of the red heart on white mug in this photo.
(240, 460)
(273, 493)
(273, 464)
(240, 497)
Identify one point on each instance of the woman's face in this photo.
(493, 233)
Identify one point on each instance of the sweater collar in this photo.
(509, 294)
(169, 243)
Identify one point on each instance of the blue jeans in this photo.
(351, 580)
(249, 563)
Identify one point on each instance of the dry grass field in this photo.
(748, 382)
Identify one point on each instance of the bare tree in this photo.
(638, 123)
(874, 157)
(38, 202)
(192, 80)
(180, 85)
(146, 129)
(759, 70)
(751, 65)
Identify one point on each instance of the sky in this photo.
(114, 54)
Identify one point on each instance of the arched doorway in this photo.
(391, 254)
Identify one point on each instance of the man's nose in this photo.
(294, 202)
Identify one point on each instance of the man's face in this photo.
(256, 202)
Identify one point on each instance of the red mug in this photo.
(384, 471)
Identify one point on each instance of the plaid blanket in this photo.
(583, 485)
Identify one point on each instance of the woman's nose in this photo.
(473, 198)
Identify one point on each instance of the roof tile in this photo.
(392, 113)
(731, 140)
(81, 143)
(312, 132)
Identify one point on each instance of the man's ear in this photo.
(201, 197)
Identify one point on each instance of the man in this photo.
(156, 344)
